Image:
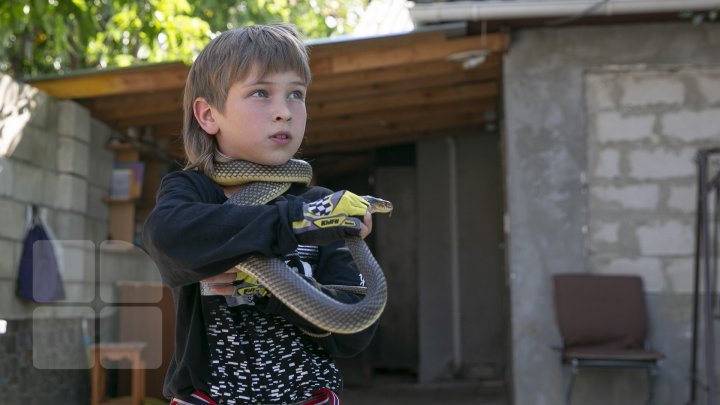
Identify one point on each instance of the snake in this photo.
(260, 184)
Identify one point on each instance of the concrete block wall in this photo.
(558, 224)
(52, 155)
(645, 125)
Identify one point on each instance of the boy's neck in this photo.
(230, 190)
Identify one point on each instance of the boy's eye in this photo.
(259, 93)
(297, 95)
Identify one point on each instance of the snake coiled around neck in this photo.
(261, 184)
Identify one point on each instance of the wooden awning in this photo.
(365, 92)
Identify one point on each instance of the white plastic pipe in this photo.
(497, 10)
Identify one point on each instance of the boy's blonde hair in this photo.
(227, 59)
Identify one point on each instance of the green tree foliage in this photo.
(40, 37)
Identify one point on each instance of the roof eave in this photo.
(510, 10)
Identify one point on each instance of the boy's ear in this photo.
(204, 115)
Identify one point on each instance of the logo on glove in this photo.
(330, 218)
(329, 222)
(321, 207)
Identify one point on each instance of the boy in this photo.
(245, 100)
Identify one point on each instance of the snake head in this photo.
(378, 205)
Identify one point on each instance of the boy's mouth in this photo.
(281, 137)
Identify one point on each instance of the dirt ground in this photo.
(393, 390)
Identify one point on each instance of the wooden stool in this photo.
(130, 351)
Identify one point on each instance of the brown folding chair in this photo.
(603, 322)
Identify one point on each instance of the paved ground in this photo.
(397, 391)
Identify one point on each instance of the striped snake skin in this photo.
(262, 184)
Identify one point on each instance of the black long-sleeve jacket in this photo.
(191, 235)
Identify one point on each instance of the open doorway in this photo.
(446, 317)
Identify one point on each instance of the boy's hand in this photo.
(331, 218)
(220, 284)
(233, 282)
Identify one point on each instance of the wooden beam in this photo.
(171, 119)
(114, 82)
(113, 106)
(168, 130)
(412, 52)
(398, 117)
(418, 124)
(114, 102)
(372, 121)
(323, 48)
(410, 99)
(390, 74)
(402, 86)
(400, 138)
(143, 106)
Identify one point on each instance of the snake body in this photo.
(260, 185)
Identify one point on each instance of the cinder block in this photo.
(605, 233)
(680, 273)
(616, 127)
(9, 263)
(689, 126)
(649, 268)
(73, 120)
(96, 230)
(607, 165)
(99, 134)
(652, 88)
(78, 261)
(662, 163)
(46, 150)
(79, 292)
(7, 177)
(13, 216)
(36, 146)
(11, 93)
(12, 307)
(26, 102)
(25, 143)
(72, 193)
(50, 188)
(133, 264)
(637, 197)
(601, 89)
(73, 156)
(67, 225)
(41, 107)
(101, 158)
(101, 171)
(96, 207)
(29, 183)
(683, 198)
(666, 238)
(709, 85)
(11, 131)
(101, 165)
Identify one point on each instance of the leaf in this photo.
(80, 34)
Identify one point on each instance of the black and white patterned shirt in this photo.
(192, 235)
(261, 358)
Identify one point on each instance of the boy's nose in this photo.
(282, 113)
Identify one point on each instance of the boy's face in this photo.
(264, 118)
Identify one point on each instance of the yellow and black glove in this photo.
(330, 218)
(247, 285)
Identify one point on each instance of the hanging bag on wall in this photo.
(39, 272)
